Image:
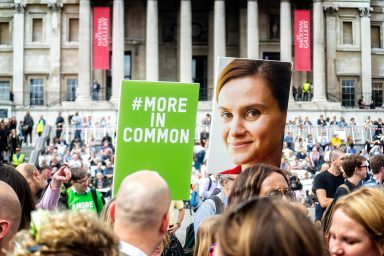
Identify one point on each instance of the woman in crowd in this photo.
(265, 181)
(66, 233)
(357, 226)
(206, 236)
(264, 226)
(260, 180)
(253, 120)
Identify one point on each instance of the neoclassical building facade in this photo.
(46, 49)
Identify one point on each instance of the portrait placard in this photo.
(249, 113)
(156, 126)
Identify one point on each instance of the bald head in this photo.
(32, 176)
(10, 214)
(26, 170)
(143, 200)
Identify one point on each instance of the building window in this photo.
(37, 30)
(377, 94)
(37, 92)
(127, 66)
(348, 93)
(73, 35)
(4, 90)
(71, 89)
(347, 32)
(199, 75)
(375, 36)
(4, 33)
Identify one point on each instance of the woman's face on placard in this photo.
(253, 124)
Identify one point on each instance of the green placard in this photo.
(156, 127)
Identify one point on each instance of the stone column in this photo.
(185, 52)
(54, 95)
(84, 81)
(286, 35)
(331, 49)
(243, 29)
(219, 43)
(318, 52)
(152, 42)
(366, 64)
(252, 30)
(18, 54)
(117, 49)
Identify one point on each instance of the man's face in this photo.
(339, 160)
(46, 174)
(81, 185)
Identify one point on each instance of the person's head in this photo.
(10, 215)
(105, 215)
(336, 157)
(9, 175)
(259, 180)
(32, 176)
(358, 223)
(99, 176)
(67, 233)
(254, 120)
(265, 226)
(226, 181)
(80, 179)
(355, 165)
(377, 164)
(46, 172)
(206, 235)
(75, 157)
(141, 210)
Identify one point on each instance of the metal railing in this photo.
(96, 132)
(358, 134)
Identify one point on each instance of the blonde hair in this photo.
(68, 234)
(206, 235)
(366, 207)
(105, 215)
(264, 226)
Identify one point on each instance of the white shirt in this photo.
(130, 249)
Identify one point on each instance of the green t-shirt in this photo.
(84, 202)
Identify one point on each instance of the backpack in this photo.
(210, 183)
(328, 213)
(194, 200)
(190, 233)
(94, 197)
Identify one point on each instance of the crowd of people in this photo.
(250, 209)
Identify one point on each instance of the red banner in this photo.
(101, 25)
(302, 40)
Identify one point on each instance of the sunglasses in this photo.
(290, 195)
